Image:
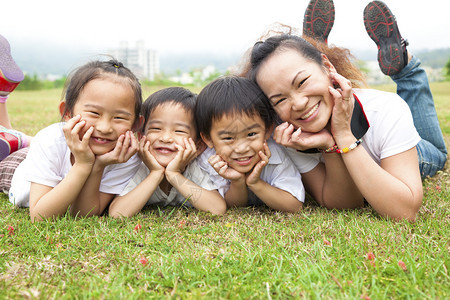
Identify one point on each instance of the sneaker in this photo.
(11, 141)
(318, 19)
(382, 28)
(10, 73)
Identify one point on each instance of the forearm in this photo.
(398, 196)
(88, 202)
(275, 198)
(200, 198)
(237, 194)
(130, 204)
(338, 190)
(55, 201)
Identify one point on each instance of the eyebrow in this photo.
(119, 111)
(292, 83)
(226, 132)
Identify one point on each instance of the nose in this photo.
(299, 102)
(241, 147)
(103, 125)
(166, 137)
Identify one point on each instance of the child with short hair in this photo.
(235, 120)
(82, 162)
(169, 174)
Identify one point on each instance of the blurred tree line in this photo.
(35, 83)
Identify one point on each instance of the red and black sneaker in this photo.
(318, 19)
(382, 28)
(10, 73)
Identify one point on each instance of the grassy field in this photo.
(248, 253)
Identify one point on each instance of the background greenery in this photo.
(248, 253)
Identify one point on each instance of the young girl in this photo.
(312, 89)
(169, 174)
(82, 163)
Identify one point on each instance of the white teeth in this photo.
(309, 114)
(242, 159)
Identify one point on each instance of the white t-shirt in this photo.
(48, 162)
(193, 172)
(280, 172)
(391, 129)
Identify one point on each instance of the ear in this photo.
(207, 140)
(269, 131)
(327, 63)
(62, 108)
(138, 124)
(201, 146)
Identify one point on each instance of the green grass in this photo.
(248, 253)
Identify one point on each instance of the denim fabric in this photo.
(413, 87)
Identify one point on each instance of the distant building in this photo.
(142, 61)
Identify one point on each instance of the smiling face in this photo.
(168, 124)
(108, 106)
(298, 89)
(238, 139)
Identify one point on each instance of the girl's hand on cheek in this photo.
(224, 170)
(254, 176)
(125, 148)
(146, 156)
(343, 105)
(80, 149)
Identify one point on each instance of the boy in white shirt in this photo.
(235, 120)
(170, 174)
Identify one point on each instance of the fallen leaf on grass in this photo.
(402, 265)
(143, 261)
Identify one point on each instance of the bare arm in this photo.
(331, 185)
(237, 194)
(275, 198)
(394, 190)
(90, 200)
(200, 198)
(48, 202)
(130, 204)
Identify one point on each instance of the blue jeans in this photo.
(413, 87)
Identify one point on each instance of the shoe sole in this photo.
(319, 19)
(381, 26)
(9, 70)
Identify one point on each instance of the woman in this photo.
(311, 87)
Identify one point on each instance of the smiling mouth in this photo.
(243, 161)
(101, 141)
(164, 150)
(311, 112)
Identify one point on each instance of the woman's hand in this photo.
(344, 103)
(80, 149)
(286, 135)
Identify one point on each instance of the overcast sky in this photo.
(202, 25)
